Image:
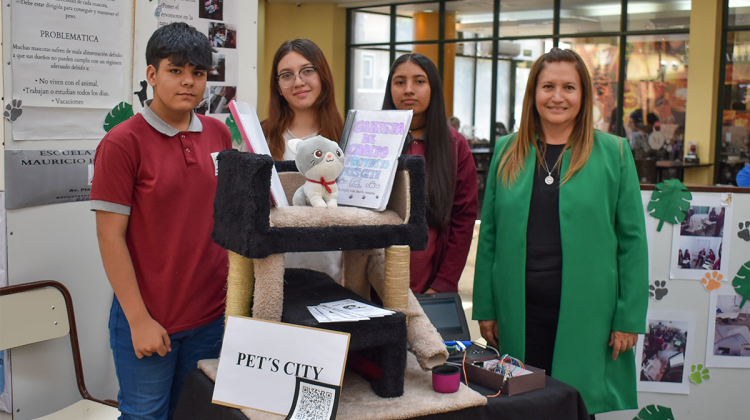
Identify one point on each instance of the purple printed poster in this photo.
(372, 146)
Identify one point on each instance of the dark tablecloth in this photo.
(556, 401)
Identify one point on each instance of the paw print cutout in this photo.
(13, 110)
(699, 374)
(712, 281)
(658, 290)
(744, 232)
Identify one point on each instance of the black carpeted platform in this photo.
(242, 207)
(377, 347)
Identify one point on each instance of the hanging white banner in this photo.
(68, 53)
(37, 177)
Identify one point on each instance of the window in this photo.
(368, 60)
(637, 63)
(733, 150)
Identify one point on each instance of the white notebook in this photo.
(372, 142)
(252, 134)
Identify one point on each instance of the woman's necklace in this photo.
(549, 179)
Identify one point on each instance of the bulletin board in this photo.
(700, 369)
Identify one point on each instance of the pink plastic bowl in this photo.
(446, 379)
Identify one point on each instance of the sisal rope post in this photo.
(240, 281)
(397, 277)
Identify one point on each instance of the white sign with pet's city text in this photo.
(372, 143)
(261, 360)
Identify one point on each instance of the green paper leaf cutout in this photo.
(118, 114)
(654, 412)
(741, 283)
(234, 130)
(670, 202)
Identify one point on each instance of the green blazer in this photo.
(604, 273)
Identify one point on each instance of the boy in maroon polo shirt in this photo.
(153, 190)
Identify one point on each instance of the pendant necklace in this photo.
(549, 179)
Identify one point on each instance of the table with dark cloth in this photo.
(556, 401)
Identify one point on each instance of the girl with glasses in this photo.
(302, 105)
(414, 83)
(302, 101)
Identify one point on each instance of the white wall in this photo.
(58, 242)
(726, 395)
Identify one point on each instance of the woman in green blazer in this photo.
(561, 276)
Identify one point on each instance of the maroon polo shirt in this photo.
(165, 180)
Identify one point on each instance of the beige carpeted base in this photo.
(358, 402)
(303, 216)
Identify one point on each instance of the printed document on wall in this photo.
(68, 53)
(218, 20)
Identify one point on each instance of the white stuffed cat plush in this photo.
(321, 161)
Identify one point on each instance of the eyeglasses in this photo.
(306, 74)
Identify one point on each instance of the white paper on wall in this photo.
(728, 336)
(700, 244)
(663, 355)
(38, 123)
(67, 54)
(219, 21)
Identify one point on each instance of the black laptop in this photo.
(446, 313)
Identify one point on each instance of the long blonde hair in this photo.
(581, 140)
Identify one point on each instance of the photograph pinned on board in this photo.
(221, 35)
(218, 73)
(728, 343)
(701, 241)
(216, 100)
(664, 351)
(211, 9)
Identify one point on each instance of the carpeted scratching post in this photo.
(424, 340)
(258, 235)
(269, 284)
(355, 271)
(423, 337)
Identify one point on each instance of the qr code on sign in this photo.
(314, 401)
